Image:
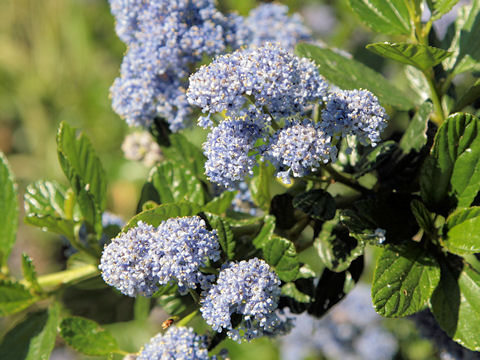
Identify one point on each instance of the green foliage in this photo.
(384, 16)
(225, 234)
(440, 7)
(220, 204)
(415, 136)
(184, 152)
(14, 297)
(84, 171)
(8, 209)
(260, 186)
(318, 204)
(405, 278)
(463, 231)
(87, 337)
(33, 338)
(290, 290)
(422, 215)
(29, 273)
(420, 56)
(280, 253)
(351, 74)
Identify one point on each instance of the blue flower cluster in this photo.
(137, 261)
(249, 288)
(351, 330)
(179, 343)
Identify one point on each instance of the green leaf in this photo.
(465, 43)
(45, 208)
(260, 185)
(383, 16)
(422, 215)
(470, 96)
(421, 56)
(455, 305)
(336, 248)
(175, 182)
(453, 138)
(375, 158)
(466, 175)
(225, 234)
(34, 338)
(415, 137)
(163, 212)
(318, 204)
(14, 297)
(29, 272)
(290, 290)
(172, 303)
(83, 169)
(463, 231)
(418, 83)
(87, 337)
(183, 151)
(220, 204)
(280, 253)
(266, 232)
(405, 278)
(441, 7)
(351, 74)
(8, 209)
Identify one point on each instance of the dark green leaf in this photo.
(183, 151)
(148, 195)
(463, 231)
(453, 138)
(466, 42)
(32, 339)
(220, 204)
(45, 207)
(318, 204)
(8, 209)
(225, 234)
(415, 136)
(266, 232)
(14, 297)
(466, 175)
(336, 248)
(421, 56)
(163, 212)
(87, 337)
(455, 304)
(175, 305)
(29, 272)
(290, 290)
(351, 74)
(280, 253)
(260, 185)
(175, 182)
(375, 158)
(383, 16)
(405, 278)
(422, 215)
(441, 7)
(83, 169)
(470, 96)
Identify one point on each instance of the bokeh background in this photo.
(58, 59)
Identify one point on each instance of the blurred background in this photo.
(58, 59)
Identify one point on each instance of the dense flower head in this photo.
(269, 76)
(248, 288)
(137, 261)
(354, 112)
(178, 343)
(271, 23)
(228, 150)
(298, 149)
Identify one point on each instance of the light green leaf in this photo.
(453, 138)
(14, 297)
(404, 280)
(418, 83)
(280, 253)
(220, 204)
(163, 212)
(87, 337)
(470, 96)
(421, 56)
(318, 204)
(34, 338)
(29, 272)
(463, 231)
(45, 208)
(351, 74)
(266, 232)
(465, 43)
(441, 7)
(8, 209)
(415, 137)
(466, 175)
(260, 185)
(290, 290)
(183, 151)
(83, 169)
(175, 182)
(225, 234)
(455, 305)
(383, 16)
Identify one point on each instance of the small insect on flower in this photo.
(167, 323)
